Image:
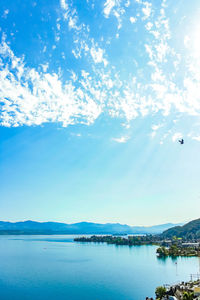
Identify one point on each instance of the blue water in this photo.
(55, 267)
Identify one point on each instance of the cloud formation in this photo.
(122, 139)
(163, 82)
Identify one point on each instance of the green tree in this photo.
(160, 292)
(173, 250)
(188, 296)
(162, 251)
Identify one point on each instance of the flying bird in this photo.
(181, 141)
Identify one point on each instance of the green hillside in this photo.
(190, 231)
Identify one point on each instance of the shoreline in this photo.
(174, 250)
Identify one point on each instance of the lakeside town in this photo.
(175, 242)
(171, 247)
(180, 291)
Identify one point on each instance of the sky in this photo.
(94, 96)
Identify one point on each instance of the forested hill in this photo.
(190, 230)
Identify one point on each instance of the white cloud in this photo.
(76, 134)
(148, 26)
(108, 6)
(97, 55)
(122, 139)
(115, 8)
(196, 138)
(64, 5)
(32, 98)
(73, 23)
(71, 16)
(44, 49)
(45, 67)
(5, 14)
(133, 20)
(127, 4)
(156, 127)
(146, 10)
(177, 136)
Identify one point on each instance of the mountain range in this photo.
(32, 227)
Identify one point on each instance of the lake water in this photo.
(55, 267)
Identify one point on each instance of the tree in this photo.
(160, 292)
(188, 296)
(173, 250)
(162, 251)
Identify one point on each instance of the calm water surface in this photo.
(54, 267)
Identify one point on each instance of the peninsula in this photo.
(181, 245)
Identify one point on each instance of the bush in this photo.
(160, 292)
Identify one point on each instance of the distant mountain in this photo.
(32, 227)
(190, 230)
(154, 229)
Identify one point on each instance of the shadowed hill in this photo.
(190, 230)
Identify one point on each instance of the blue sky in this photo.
(94, 96)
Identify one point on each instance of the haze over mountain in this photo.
(28, 227)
